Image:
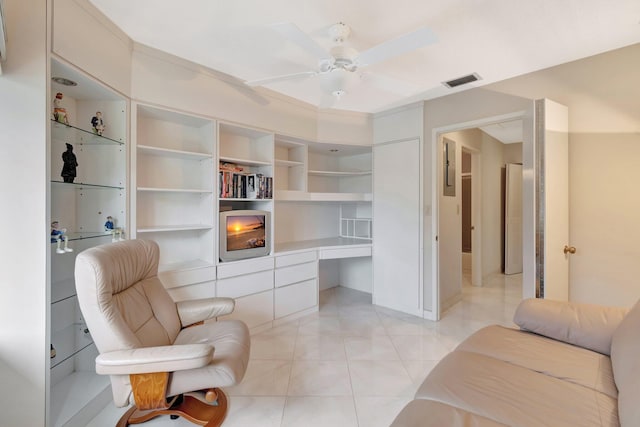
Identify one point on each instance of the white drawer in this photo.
(254, 310)
(296, 273)
(247, 284)
(174, 278)
(300, 258)
(197, 291)
(345, 253)
(294, 298)
(238, 268)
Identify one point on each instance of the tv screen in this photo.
(246, 232)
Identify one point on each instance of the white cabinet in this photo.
(83, 193)
(296, 282)
(397, 227)
(174, 191)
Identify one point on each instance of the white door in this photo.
(552, 150)
(513, 220)
(397, 226)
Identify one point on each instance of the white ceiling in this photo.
(495, 38)
(505, 132)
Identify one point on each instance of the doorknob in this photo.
(569, 249)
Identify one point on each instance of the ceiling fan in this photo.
(341, 65)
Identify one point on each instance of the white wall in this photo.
(604, 161)
(492, 240)
(23, 182)
(83, 36)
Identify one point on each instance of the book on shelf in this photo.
(243, 185)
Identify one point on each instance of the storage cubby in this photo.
(245, 169)
(81, 205)
(174, 183)
(339, 173)
(355, 220)
(290, 167)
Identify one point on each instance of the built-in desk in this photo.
(329, 248)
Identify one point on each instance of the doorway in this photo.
(471, 212)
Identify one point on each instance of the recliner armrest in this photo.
(584, 325)
(146, 360)
(194, 311)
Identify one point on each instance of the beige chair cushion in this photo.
(427, 413)
(514, 395)
(585, 325)
(554, 358)
(231, 341)
(625, 359)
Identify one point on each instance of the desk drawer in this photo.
(296, 273)
(197, 291)
(237, 268)
(293, 298)
(345, 253)
(247, 284)
(175, 278)
(299, 258)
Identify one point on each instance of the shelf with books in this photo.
(242, 182)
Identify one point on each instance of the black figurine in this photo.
(70, 164)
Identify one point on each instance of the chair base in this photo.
(189, 407)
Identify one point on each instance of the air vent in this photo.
(462, 80)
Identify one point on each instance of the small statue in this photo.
(58, 235)
(97, 123)
(59, 112)
(109, 225)
(56, 232)
(70, 164)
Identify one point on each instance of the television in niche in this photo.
(244, 234)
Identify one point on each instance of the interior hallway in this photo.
(351, 364)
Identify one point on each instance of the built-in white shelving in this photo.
(81, 207)
(174, 184)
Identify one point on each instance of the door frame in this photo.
(528, 196)
(476, 214)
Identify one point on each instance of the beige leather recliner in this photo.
(157, 351)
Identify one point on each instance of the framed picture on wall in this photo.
(449, 167)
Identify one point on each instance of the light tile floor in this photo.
(351, 364)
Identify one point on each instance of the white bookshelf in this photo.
(174, 185)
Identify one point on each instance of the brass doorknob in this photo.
(569, 249)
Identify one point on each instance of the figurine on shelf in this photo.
(58, 235)
(97, 123)
(56, 232)
(117, 235)
(109, 225)
(59, 112)
(70, 164)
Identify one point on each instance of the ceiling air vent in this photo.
(462, 80)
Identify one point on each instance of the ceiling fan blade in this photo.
(282, 78)
(297, 36)
(390, 84)
(397, 46)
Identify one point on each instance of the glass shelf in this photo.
(82, 235)
(70, 341)
(72, 134)
(89, 186)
